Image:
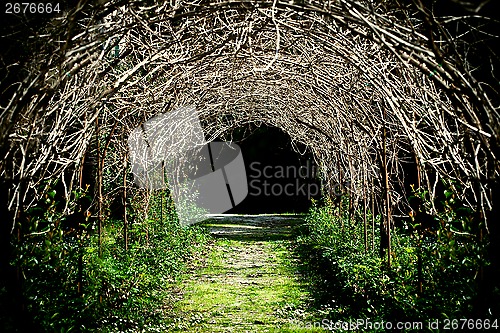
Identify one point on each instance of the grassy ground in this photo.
(250, 282)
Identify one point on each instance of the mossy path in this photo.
(248, 283)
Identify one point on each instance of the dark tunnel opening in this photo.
(280, 179)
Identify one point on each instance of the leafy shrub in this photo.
(74, 284)
(355, 283)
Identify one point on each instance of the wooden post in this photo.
(373, 216)
(99, 188)
(125, 222)
(372, 199)
(100, 199)
(80, 264)
(86, 215)
(79, 281)
(481, 266)
(420, 277)
(387, 189)
(349, 160)
(19, 274)
(365, 231)
(162, 191)
(341, 186)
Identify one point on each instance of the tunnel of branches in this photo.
(377, 92)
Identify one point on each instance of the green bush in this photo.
(354, 283)
(121, 290)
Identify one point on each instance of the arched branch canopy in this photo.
(334, 75)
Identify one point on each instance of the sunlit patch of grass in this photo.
(245, 286)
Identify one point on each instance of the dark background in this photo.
(271, 147)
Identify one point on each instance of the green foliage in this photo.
(357, 283)
(47, 253)
(72, 284)
(453, 253)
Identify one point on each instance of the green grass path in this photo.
(249, 282)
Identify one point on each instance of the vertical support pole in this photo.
(99, 188)
(420, 277)
(86, 215)
(80, 264)
(79, 281)
(162, 191)
(365, 229)
(19, 275)
(341, 187)
(372, 192)
(349, 159)
(481, 266)
(125, 222)
(99, 195)
(387, 189)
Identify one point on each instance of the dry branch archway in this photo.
(366, 86)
